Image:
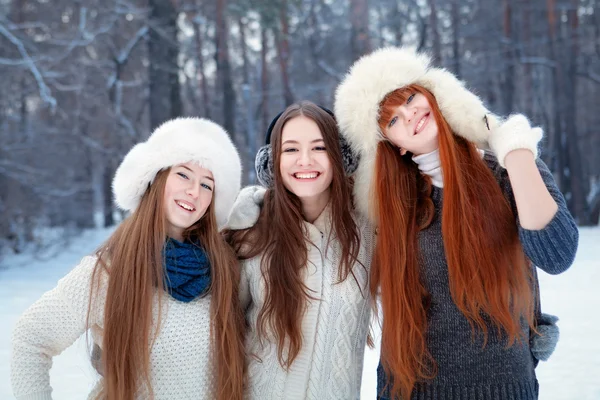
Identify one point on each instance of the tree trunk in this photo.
(435, 33)
(557, 162)
(201, 74)
(264, 80)
(455, 15)
(165, 101)
(359, 35)
(527, 85)
(283, 52)
(244, 48)
(579, 184)
(108, 196)
(509, 59)
(225, 81)
(398, 28)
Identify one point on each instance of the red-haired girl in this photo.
(459, 231)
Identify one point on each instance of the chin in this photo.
(305, 193)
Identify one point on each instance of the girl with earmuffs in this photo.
(460, 231)
(305, 263)
(159, 298)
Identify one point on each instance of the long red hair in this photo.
(490, 278)
(132, 257)
(279, 235)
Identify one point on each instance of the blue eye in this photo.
(392, 122)
(184, 176)
(410, 98)
(205, 186)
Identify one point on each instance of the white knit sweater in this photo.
(334, 328)
(179, 359)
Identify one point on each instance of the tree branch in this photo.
(45, 92)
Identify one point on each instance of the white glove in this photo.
(514, 133)
(246, 209)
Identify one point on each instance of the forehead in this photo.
(301, 129)
(195, 168)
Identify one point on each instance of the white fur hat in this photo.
(175, 142)
(372, 77)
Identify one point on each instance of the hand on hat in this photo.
(246, 209)
(512, 134)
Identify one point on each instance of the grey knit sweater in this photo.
(465, 369)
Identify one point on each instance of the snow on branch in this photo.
(45, 92)
(124, 54)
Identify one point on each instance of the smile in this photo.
(422, 123)
(185, 205)
(306, 175)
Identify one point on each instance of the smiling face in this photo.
(411, 125)
(304, 163)
(188, 193)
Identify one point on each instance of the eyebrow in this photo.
(205, 176)
(296, 142)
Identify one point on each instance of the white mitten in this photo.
(246, 209)
(514, 133)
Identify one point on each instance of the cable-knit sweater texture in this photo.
(334, 327)
(466, 370)
(180, 366)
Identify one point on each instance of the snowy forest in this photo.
(82, 81)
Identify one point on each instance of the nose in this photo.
(193, 191)
(304, 157)
(407, 113)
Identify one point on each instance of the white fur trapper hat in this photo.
(175, 142)
(372, 77)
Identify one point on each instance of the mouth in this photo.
(421, 124)
(306, 176)
(185, 205)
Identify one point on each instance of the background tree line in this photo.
(81, 81)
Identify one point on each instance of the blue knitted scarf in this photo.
(187, 270)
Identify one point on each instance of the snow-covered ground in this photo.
(573, 372)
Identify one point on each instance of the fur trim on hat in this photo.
(375, 75)
(175, 142)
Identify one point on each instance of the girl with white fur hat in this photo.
(459, 232)
(160, 296)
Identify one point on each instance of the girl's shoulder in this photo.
(80, 277)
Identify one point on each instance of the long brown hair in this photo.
(279, 236)
(489, 275)
(132, 258)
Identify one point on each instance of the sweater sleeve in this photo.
(553, 247)
(48, 327)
